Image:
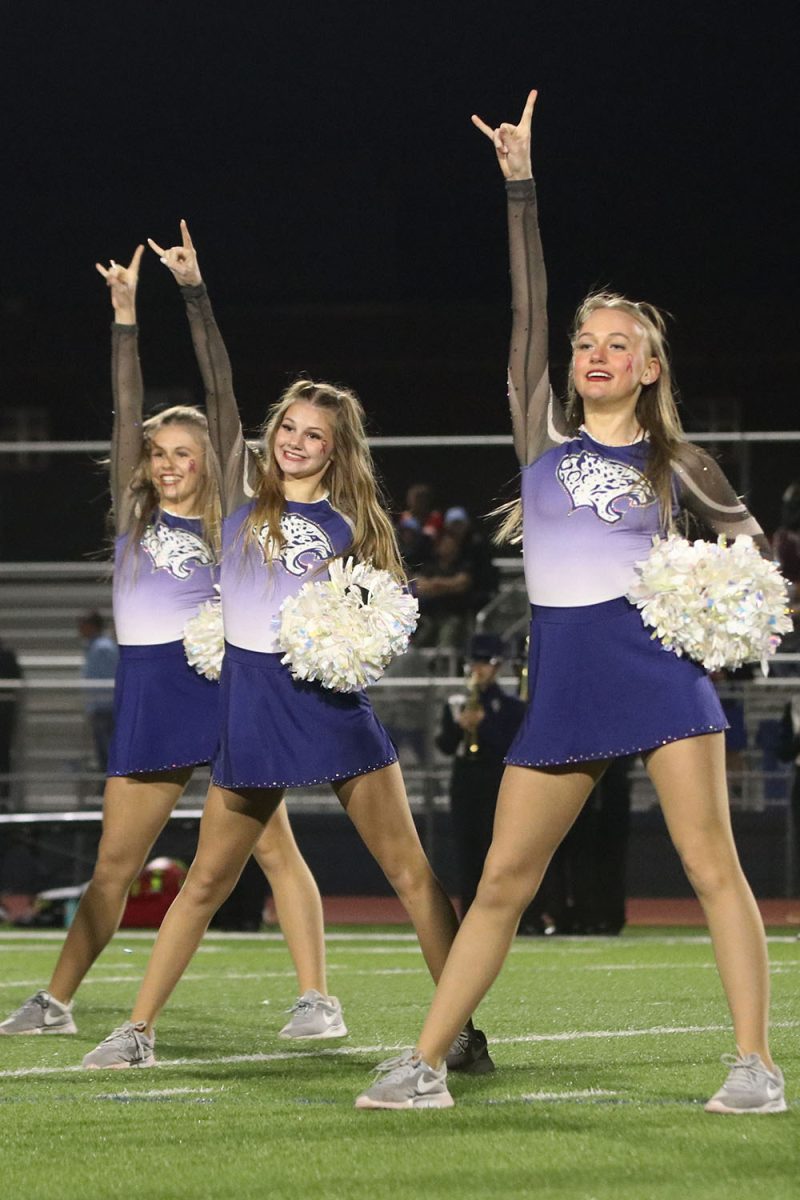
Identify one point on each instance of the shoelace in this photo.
(391, 1067)
(129, 1031)
(743, 1072)
(461, 1044)
(301, 1006)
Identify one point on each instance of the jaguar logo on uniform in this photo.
(176, 550)
(609, 487)
(306, 543)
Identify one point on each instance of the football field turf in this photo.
(605, 1051)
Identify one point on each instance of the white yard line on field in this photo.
(573, 1035)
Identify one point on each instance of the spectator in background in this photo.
(446, 597)
(415, 546)
(789, 751)
(100, 655)
(475, 550)
(786, 540)
(477, 726)
(419, 505)
(9, 706)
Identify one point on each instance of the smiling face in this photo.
(611, 359)
(303, 445)
(177, 467)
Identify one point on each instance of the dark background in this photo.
(350, 220)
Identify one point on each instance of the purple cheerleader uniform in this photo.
(600, 686)
(166, 715)
(275, 731)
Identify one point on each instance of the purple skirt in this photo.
(165, 714)
(600, 687)
(279, 732)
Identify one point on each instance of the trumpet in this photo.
(472, 705)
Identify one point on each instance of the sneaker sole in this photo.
(772, 1106)
(335, 1031)
(440, 1101)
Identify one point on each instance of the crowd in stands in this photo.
(450, 561)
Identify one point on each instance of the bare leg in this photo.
(135, 810)
(298, 904)
(689, 777)
(535, 809)
(230, 827)
(378, 807)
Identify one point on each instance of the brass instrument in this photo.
(473, 704)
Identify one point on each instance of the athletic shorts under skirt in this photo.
(600, 687)
(165, 714)
(279, 732)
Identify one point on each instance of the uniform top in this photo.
(162, 579)
(589, 511)
(253, 587)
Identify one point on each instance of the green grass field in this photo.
(605, 1049)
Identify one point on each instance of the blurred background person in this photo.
(100, 657)
(477, 725)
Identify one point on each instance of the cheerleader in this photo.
(597, 483)
(166, 715)
(312, 497)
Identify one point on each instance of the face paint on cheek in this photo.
(629, 364)
(192, 467)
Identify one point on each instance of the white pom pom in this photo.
(344, 631)
(204, 640)
(722, 605)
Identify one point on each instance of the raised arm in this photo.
(238, 465)
(537, 421)
(126, 385)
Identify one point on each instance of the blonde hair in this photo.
(146, 502)
(350, 477)
(656, 408)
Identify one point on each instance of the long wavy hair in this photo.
(350, 478)
(146, 502)
(656, 409)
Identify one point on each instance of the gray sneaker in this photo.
(408, 1083)
(470, 1054)
(314, 1016)
(128, 1046)
(749, 1088)
(40, 1014)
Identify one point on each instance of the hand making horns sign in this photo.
(512, 143)
(122, 283)
(180, 260)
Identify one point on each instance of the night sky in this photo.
(323, 155)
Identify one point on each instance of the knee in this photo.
(408, 876)
(276, 858)
(507, 885)
(206, 888)
(710, 868)
(116, 867)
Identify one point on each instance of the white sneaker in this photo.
(314, 1016)
(749, 1088)
(40, 1014)
(409, 1083)
(128, 1046)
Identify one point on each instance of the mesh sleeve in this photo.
(706, 493)
(237, 466)
(537, 420)
(126, 434)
